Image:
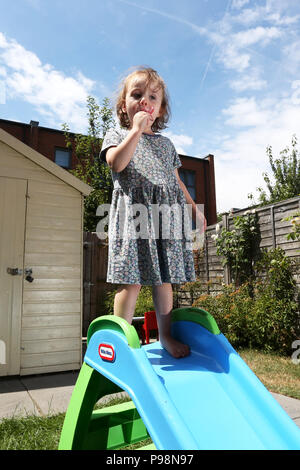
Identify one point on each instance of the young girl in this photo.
(144, 170)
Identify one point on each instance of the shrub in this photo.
(239, 247)
(294, 235)
(263, 314)
(231, 309)
(274, 320)
(194, 289)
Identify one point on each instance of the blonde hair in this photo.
(151, 76)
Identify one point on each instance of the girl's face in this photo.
(141, 96)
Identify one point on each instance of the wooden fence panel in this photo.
(94, 278)
(273, 231)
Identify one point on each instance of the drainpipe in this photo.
(34, 134)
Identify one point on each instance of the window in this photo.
(63, 157)
(189, 179)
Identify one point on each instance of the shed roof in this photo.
(45, 163)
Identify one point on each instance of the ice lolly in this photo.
(147, 109)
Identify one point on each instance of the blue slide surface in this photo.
(208, 400)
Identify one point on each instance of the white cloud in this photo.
(241, 158)
(234, 50)
(3, 71)
(233, 184)
(275, 18)
(180, 141)
(242, 35)
(248, 16)
(247, 112)
(254, 35)
(233, 58)
(56, 96)
(237, 4)
(291, 53)
(249, 81)
(273, 12)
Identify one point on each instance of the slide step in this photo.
(115, 427)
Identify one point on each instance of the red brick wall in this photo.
(41, 139)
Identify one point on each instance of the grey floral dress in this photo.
(148, 244)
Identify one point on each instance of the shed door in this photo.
(12, 228)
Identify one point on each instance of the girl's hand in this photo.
(143, 120)
(201, 220)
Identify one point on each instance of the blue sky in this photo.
(231, 67)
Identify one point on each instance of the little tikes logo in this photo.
(107, 352)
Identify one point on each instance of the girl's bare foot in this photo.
(174, 347)
(163, 303)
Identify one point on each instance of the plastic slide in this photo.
(208, 400)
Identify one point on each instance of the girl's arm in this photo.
(197, 214)
(118, 157)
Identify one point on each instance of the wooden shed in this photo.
(41, 217)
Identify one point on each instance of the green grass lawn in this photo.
(31, 433)
(277, 373)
